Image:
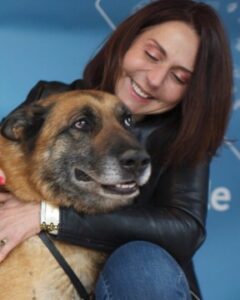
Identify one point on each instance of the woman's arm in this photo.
(174, 217)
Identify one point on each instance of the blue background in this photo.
(53, 40)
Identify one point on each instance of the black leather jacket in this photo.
(170, 211)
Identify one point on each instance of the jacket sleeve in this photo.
(173, 216)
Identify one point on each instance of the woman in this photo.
(170, 64)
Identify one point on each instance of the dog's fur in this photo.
(71, 149)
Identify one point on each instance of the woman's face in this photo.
(157, 68)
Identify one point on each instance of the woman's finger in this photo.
(2, 178)
(4, 197)
(9, 200)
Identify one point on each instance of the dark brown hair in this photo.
(206, 104)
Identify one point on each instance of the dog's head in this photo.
(74, 148)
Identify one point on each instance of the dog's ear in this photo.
(24, 122)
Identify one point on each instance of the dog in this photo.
(72, 149)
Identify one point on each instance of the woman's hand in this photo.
(18, 221)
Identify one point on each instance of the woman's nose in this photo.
(156, 76)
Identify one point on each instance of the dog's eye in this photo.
(128, 121)
(82, 124)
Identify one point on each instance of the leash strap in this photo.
(63, 263)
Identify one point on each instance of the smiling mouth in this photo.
(138, 91)
(126, 188)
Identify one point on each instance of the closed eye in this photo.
(178, 80)
(151, 56)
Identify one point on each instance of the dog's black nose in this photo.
(135, 160)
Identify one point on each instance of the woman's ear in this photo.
(23, 122)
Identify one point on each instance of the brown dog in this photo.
(71, 149)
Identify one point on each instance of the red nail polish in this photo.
(2, 180)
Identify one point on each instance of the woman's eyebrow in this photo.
(160, 48)
(164, 53)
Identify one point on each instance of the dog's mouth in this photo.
(125, 188)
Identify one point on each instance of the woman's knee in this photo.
(139, 270)
(144, 255)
